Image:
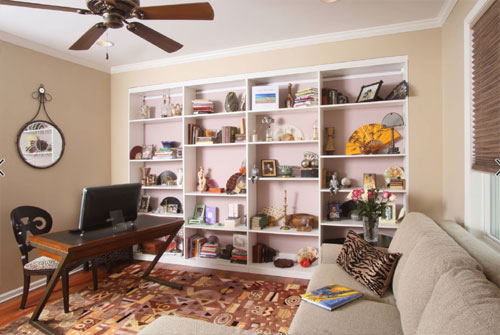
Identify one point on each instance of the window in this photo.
(482, 113)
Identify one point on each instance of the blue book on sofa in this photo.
(331, 296)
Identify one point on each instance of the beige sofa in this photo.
(446, 282)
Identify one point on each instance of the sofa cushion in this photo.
(463, 302)
(325, 274)
(358, 317)
(406, 237)
(371, 267)
(488, 257)
(433, 255)
(172, 325)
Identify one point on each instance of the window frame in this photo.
(477, 210)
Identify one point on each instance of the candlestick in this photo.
(285, 227)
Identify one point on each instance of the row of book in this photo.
(194, 244)
(201, 106)
(227, 134)
(210, 250)
(261, 253)
(306, 97)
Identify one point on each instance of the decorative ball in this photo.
(345, 182)
(305, 262)
(305, 163)
(314, 163)
(231, 103)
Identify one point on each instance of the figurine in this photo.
(202, 180)
(334, 184)
(268, 120)
(289, 102)
(254, 174)
(144, 111)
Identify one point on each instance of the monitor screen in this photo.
(98, 202)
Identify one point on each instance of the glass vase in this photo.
(370, 229)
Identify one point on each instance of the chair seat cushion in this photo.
(42, 263)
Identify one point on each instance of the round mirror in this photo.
(40, 144)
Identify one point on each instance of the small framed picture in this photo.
(172, 208)
(369, 181)
(399, 92)
(265, 97)
(334, 212)
(144, 203)
(147, 151)
(268, 167)
(211, 215)
(390, 214)
(369, 92)
(240, 241)
(199, 212)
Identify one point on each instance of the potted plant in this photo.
(371, 205)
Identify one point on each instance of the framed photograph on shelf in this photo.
(268, 168)
(144, 203)
(334, 213)
(172, 208)
(369, 92)
(240, 241)
(369, 181)
(390, 214)
(399, 92)
(198, 215)
(211, 215)
(147, 151)
(265, 97)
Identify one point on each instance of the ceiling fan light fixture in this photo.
(104, 43)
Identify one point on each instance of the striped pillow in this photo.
(371, 267)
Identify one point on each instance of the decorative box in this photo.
(309, 172)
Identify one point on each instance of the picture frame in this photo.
(265, 97)
(144, 203)
(172, 208)
(268, 168)
(390, 212)
(199, 212)
(334, 213)
(211, 215)
(399, 92)
(369, 181)
(147, 151)
(240, 241)
(369, 92)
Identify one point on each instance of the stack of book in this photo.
(331, 296)
(194, 131)
(194, 245)
(239, 256)
(165, 153)
(259, 221)
(204, 140)
(306, 97)
(210, 250)
(397, 184)
(201, 106)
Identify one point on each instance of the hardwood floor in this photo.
(9, 310)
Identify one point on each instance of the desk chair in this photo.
(39, 222)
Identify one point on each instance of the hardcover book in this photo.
(331, 296)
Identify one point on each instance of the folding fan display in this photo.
(369, 139)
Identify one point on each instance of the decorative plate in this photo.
(369, 139)
(274, 213)
(232, 182)
(136, 152)
(165, 177)
(282, 133)
(393, 172)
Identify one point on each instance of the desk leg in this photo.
(157, 258)
(48, 291)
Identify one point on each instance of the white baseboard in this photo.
(33, 286)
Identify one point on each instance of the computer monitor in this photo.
(98, 203)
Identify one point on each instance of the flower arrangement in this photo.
(371, 202)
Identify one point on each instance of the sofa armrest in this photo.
(329, 253)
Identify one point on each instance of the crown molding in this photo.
(9, 38)
(436, 22)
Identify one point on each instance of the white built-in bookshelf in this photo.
(305, 195)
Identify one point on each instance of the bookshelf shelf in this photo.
(292, 231)
(284, 142)
(208, 194)
(240, 228)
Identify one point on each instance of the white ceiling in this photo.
(238, 25)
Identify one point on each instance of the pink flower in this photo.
(386, 194)
(370, 195)
(355, 197)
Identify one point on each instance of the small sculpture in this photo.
(345, 182)
(202, 180)
(231, 103)
(334, 184)
(165, 110)
(254, 174)
(289, 99)
(144, 111)
(268, 120)
(329, 146)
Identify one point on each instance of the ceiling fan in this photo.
(116, 13)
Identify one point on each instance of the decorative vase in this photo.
(370, 229)
(231, 103)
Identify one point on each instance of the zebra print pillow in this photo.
(371, 267)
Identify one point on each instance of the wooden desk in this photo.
(68, 247)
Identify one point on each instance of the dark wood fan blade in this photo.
(41, 6)
(154, 37)
(189, 11)
(89, 38)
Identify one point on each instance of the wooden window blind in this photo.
(486, 90)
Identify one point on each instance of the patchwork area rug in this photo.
(125, 304)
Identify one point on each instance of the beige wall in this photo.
(424, 52)
(453, 111)
(80, 107)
